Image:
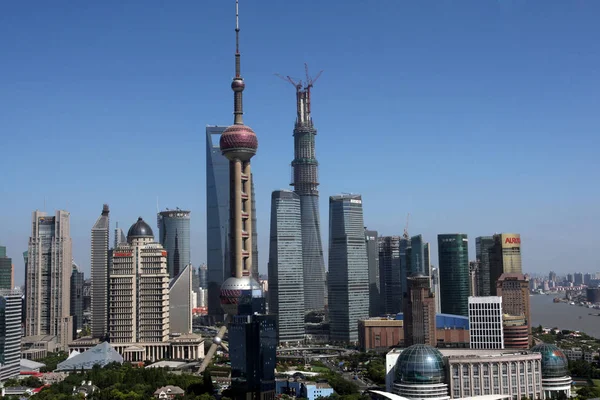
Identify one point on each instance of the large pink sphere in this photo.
(238, 141)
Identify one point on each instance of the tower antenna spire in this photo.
(238, 84)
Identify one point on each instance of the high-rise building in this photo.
(570, 278)
(427, 259)
(7, 274)
(286, 279)
(485, 322)
(405, 251)
(120, 236)
(417, 257)
(371, 243)
(174, 236)
(483, 248)
(552, 276)
(253, 359)
(474, 289)
(453, 254)
(139, 289)
(435, 287)
(48, 277)
(514, 291)
(252, 334)
(217, 220)
(419, 312)
(180, 302)
(306, 182)
(10, 334)
(390, 274)
(203, 276)
(587, 279)
(348, 268)
(505, 257)
(77, 298)
(578, 278)
(99, 266)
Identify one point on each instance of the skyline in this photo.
(80, 95)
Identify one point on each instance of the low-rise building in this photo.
(421, 371)
(169, 392)
(381, 334)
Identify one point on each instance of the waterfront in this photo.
(564, 316)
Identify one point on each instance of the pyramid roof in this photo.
(101, 354)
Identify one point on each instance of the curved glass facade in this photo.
(453, 264)
(554, 362)
(420, 364)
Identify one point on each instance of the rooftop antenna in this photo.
(157, 208)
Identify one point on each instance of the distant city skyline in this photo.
(483, 90)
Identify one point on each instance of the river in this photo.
(564, 316)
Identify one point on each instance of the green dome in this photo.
(420, 364)
(554, 362)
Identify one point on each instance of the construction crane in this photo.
(302, 93)
(405, 234)
(309, 84)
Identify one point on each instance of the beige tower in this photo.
(48, 277)
(139, 289)
(505, 257)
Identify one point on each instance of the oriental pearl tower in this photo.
(240, 294)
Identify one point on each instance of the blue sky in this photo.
(474, 116)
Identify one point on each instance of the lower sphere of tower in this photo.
(217, 340)
(236, 292)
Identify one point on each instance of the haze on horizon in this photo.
(474, 117)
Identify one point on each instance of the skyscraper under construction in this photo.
(305, 181)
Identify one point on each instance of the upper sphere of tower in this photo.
(238, 142)
(238, 85)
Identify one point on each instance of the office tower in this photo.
(570, 278)
(138, 289)
(514, 291)
(483, 247)
(435, 287)
(180, 302)
(217, 220)
(371, 242)
(306, 182)
(76, 298)
(505, 257)
(348, 268)
(10, 333)
(578, 279)
(419, 312)
(252, 338)
(203, 276)
(48, 277)
(587, 279)
(99, 266)
(453, 255)
(485, 322)
(7, 277)
(474, 289)
(417, 256)
(552, 276)
(119, 236)
(405, 254)
(390, 275)
(286, 279)
(253, 359)
(427, 259)
(195, 279)
(174, 236)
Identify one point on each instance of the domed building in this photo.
(420, 374)
(556, 381)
